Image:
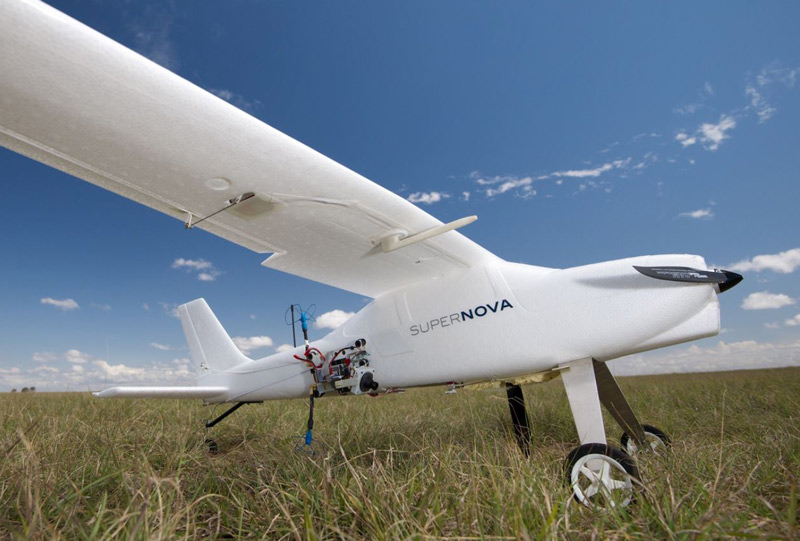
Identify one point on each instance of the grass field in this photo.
(415, 465)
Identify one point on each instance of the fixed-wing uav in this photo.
(443, 310)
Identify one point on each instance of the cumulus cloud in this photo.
(742, 355)
(117, 371)
(96, 374)
(332, 319)
(205, 269)
(712, 135)
(783, 262)
(162, 347)
(764, 300)
(793, 322)
(699, 214)
(61, 304)
(685, 140)
(427, 198)
(76, 357)
(44, 357)
(284, 348)
(252, 343)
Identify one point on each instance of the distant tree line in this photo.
(25, 390)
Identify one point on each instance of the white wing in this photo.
(78, 101)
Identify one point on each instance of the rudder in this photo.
(210, 346)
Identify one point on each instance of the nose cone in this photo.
(731, 279)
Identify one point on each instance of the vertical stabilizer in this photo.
(211, 347)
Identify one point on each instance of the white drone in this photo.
(444, 310)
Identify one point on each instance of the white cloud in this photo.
(688, 109)
(699, 214)
(248, 344)
(145, 306)
(764, 300)
(427, 198)
(772, 325)
(117, 371)
(465, 196)
(284, 348)
(205, 269)
(743, 355)
(332, 319)
(784, 262)
(169, 308)
(709, 89)
(193, 264)
(47, 369)
(103, 307)
(793, 322)
(583, 173)
(98, 374)
(61, 304)
(151, 36)
(685, 140)
(162, 347)
(77, 357)
(712, 135)
(774, 73)
(510, 184)
(44, 357)
(236, 99)
(763, 109)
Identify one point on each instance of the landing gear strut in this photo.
(212, 445)
(519, 417)
(596, 468)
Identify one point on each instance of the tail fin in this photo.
(211, 347)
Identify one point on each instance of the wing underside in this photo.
(80, 102)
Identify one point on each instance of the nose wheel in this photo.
(602, 476)
(656, 441)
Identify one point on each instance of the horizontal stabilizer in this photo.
(162, 392)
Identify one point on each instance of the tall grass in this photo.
(418, 465)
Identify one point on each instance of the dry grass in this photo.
(418, 465)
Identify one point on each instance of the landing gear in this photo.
(657, 442)
(211, 444)
(596, 467)
(602, 476)
(519, 418)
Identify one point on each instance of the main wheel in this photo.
(657, 441)
(602, 476)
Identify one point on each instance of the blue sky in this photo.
(577, 132)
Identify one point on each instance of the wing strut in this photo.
(230, 203)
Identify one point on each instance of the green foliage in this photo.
(422, 464)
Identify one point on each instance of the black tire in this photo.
(625, 461)
(648, 430)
